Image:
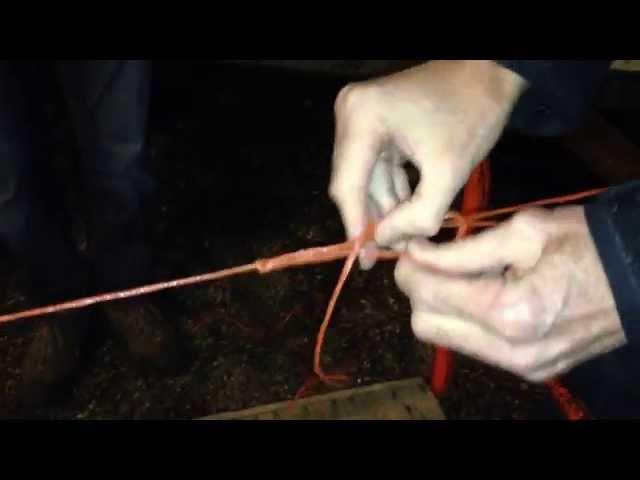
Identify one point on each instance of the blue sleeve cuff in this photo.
(614, 223)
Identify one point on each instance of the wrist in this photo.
(513, 83)
(498, 87)
(506, 85)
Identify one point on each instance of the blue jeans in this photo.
(108, 102)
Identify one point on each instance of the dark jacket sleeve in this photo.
(614, 223)
(559, 96)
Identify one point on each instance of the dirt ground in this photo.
(243, 160)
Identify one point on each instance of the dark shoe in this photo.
(149, 338)
(52, 357)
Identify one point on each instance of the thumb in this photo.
(507, 244)
(423, 214)
(355, 153)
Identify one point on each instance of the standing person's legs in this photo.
(109, 102)
(32, 225)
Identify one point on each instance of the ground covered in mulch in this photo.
(243, 160)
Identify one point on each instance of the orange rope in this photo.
(464, 223)
(132, 292)
(348, 265)
(539, 203)
(475, 198)
(309, 256)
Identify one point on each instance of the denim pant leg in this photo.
(32, 207)
(109, 102)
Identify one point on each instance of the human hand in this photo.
(529, 296)
(443, 116)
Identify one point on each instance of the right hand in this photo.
(443, 116)
(530, 295)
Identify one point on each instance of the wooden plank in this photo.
(626, 65)
(400, 400)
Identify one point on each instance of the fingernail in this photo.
(367, 256)
(400, 246)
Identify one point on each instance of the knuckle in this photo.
(335, 193)
(425, 331)
(403, 277)
(530, 220)
(416, 327)
(340, 189)
(516, 333)
(536, 377)
(524, 362)
(400, 274)
(419, 224)
(512, 322)
(517, 330)
(524, 318)
(349, 97)
(562, 366)
(340, 101)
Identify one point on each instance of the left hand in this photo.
(529, 296)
